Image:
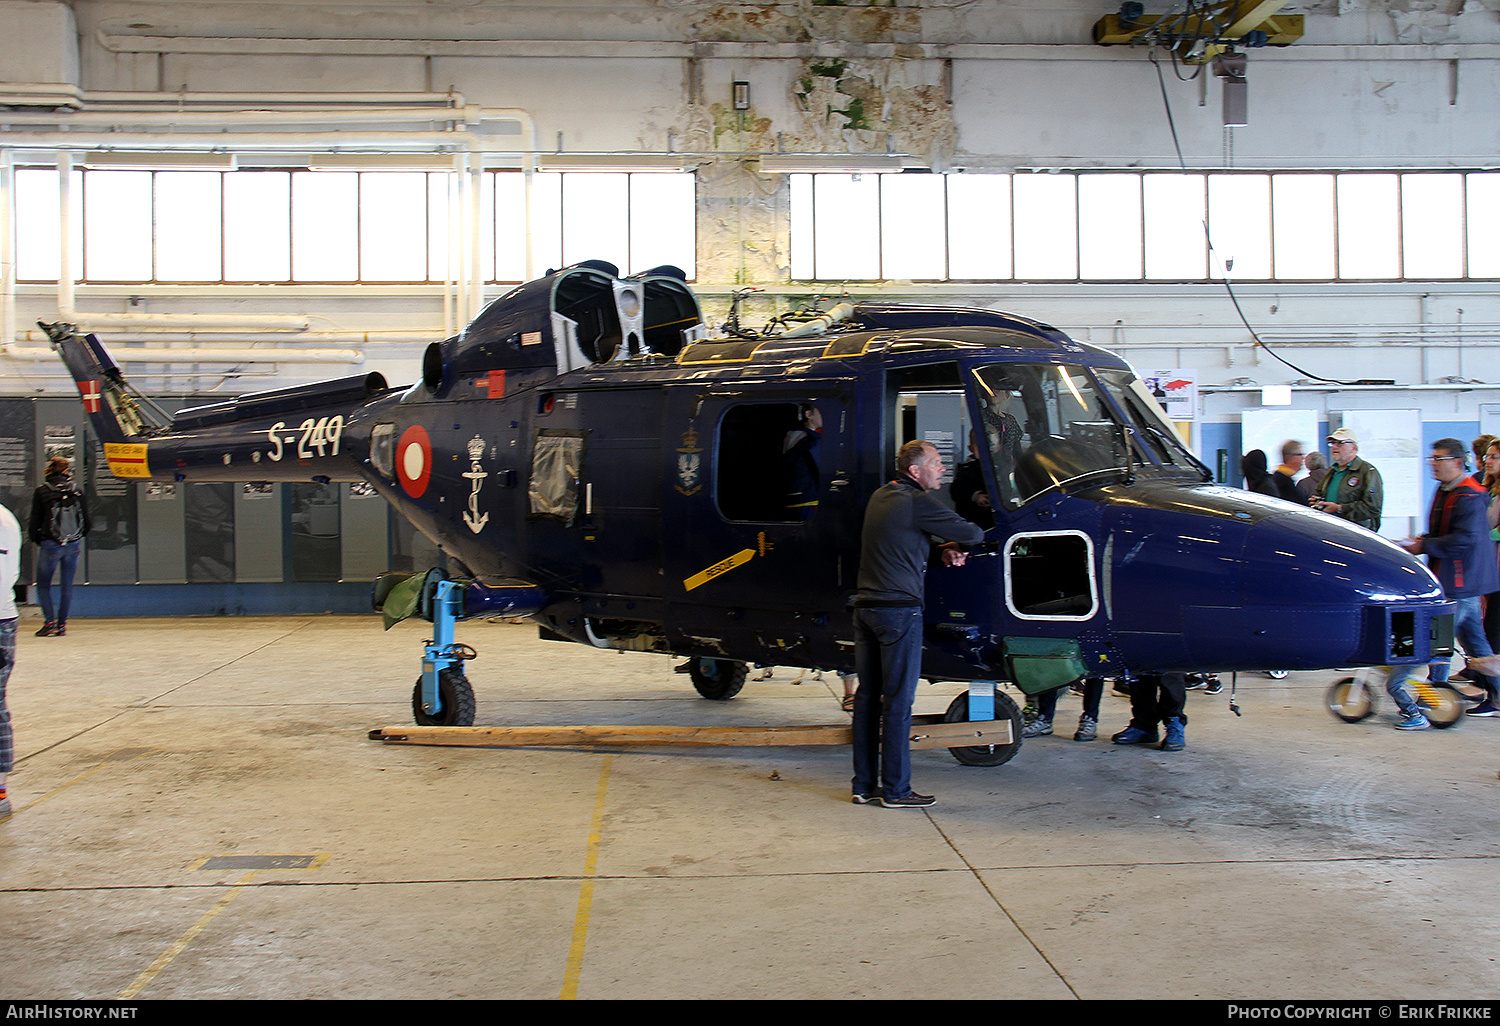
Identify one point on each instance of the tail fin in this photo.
(118, 412)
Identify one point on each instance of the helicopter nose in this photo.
(1315, 584)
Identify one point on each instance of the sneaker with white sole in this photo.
(1037, 728)
(911, 801)
(1088, 729)
(1413, 721)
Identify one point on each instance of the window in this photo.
(269, 225)
(1046, 426)
(767, 465)
(1051, 576)
(1128, 226)
(556, 465)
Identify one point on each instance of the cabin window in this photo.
(556, 461)
(383, 449)
(768, 468)
(1046, 425)
(1050, 576)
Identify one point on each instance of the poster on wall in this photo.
(60, 440)
(1176, 390)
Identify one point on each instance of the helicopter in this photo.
(590, 456)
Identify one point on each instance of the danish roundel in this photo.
(414, 460)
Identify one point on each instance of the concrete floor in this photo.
(1284, 855)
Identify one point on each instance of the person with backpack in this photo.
(59, 520)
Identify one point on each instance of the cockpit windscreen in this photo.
(1046, 425)
(1050, 425)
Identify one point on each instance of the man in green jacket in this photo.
(1352, 488)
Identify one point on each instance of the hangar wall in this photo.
(962, 87)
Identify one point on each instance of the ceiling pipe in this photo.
(197, 354)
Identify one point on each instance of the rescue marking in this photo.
(493, 384)
(723, 566)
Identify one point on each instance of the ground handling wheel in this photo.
(986, 755)
(1441, 703)
(718, 679)
(1349, 701)
(457, 697)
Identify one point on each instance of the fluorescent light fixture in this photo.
(616, 162)
(1276, 395)
(380, 162)
(118, 160)
(831, 163)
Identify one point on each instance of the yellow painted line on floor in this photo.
(586, 892)
(109, 760)
(179, 945)
(62, 787)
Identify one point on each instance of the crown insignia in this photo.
(476, 448)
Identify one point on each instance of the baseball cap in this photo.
(1343, 435)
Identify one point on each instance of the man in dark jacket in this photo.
(1462, 556)
(901, 521)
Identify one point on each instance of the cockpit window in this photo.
(1156, 431)
(1046, 425)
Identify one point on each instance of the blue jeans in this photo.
(1468, 628)
(62, 557)
(888, 658)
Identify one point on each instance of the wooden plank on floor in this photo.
(615, 735)
(924, 735)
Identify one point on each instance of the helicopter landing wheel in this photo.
(457, 696)
(986, 755)
(1277, 674)
(718, 679)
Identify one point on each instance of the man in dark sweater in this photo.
(901, 521)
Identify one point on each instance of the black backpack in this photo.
(66, 522)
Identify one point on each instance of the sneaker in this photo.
(1215, 686)
(48, 629)
(1195, 682)
(1415, 721)
(59, 630)
(911, 801)
(4, 808)
(1088, 729)
(1485, 708)
(1176, 739)
(1135, 736)
(1037, 728)
(865, 799)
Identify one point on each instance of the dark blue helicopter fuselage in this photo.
(637, 493)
